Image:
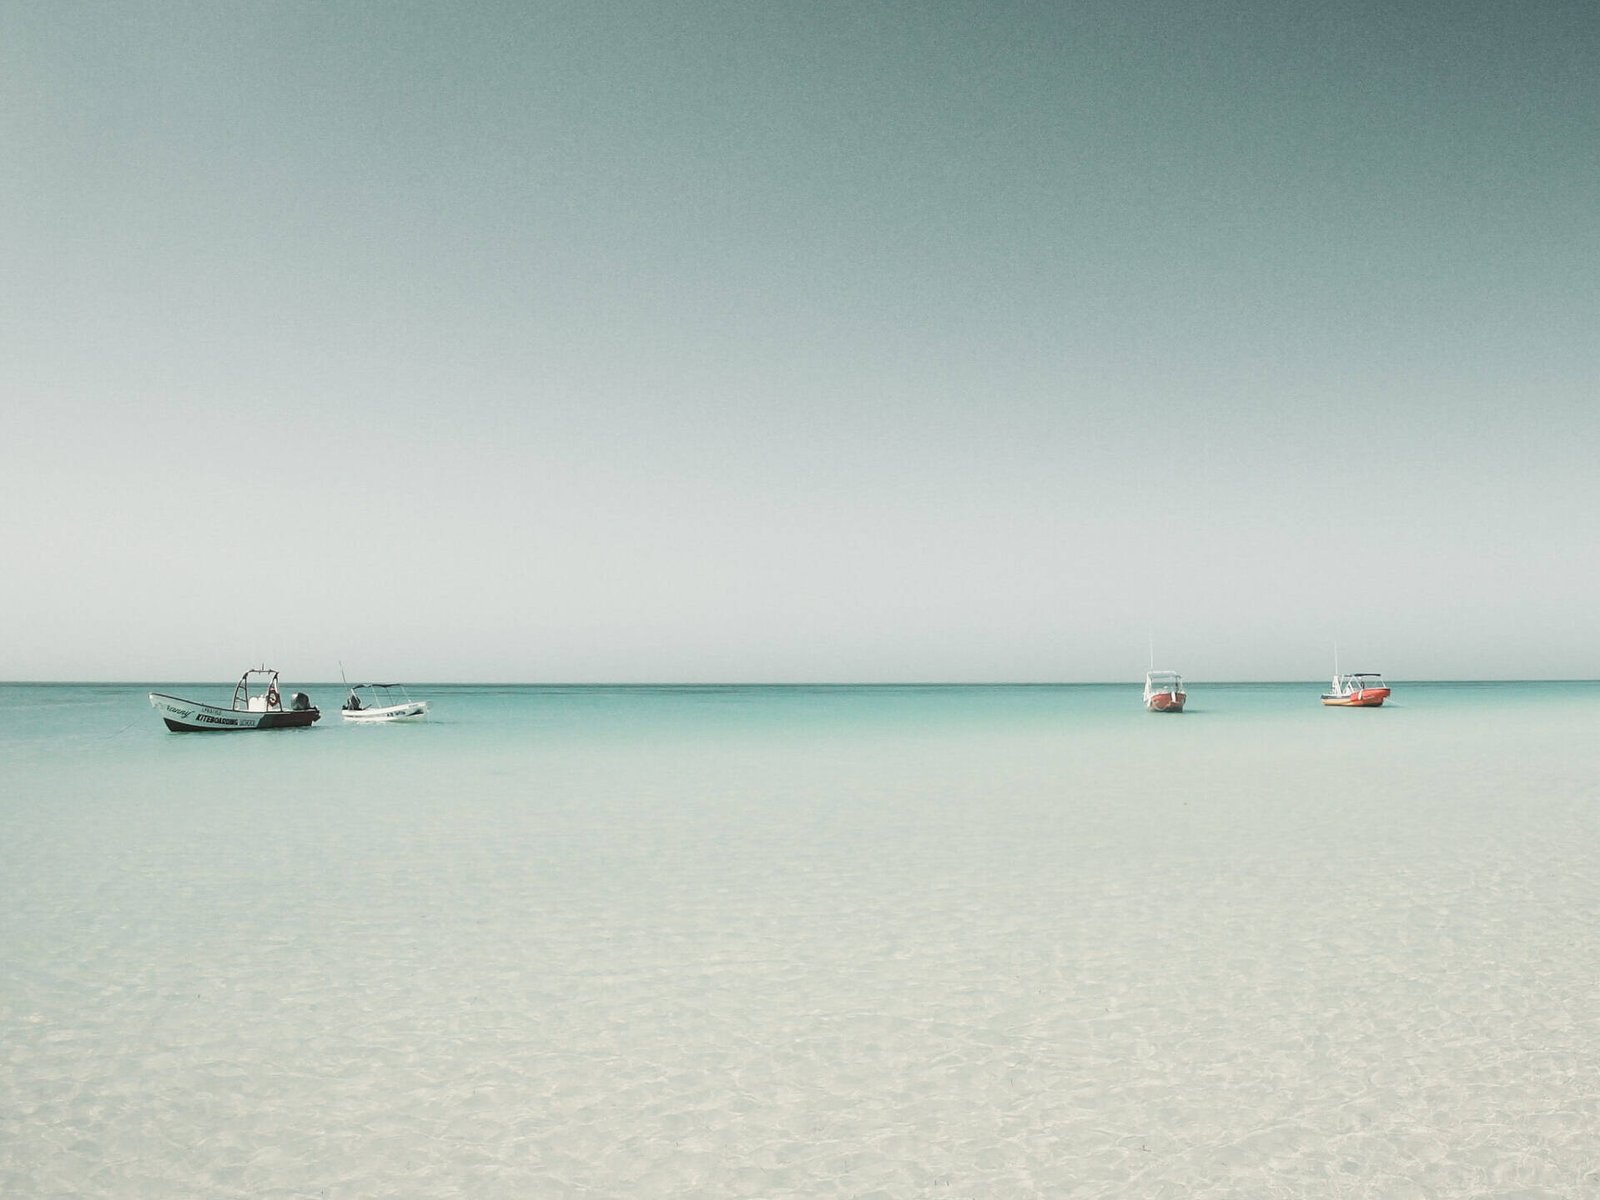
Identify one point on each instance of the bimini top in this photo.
(382, 693)
(1359, 681)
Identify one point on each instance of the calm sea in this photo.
(801, 941)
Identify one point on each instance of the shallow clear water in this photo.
(897, 941)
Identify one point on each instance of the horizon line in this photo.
(819, 683)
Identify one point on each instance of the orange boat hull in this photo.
(1365, 698)
(1166, 702)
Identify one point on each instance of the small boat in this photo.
(1360, 689)
(376, 702)
(256, 705)
(1163, 692)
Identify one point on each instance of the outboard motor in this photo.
(299, 702)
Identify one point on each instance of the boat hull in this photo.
(191, 716)
(415, 710)
(1171, 702)
(1366, 698)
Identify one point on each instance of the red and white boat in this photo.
(1163, 692)
(1361, 689)
(256, 705)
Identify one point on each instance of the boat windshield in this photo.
(1355, 683)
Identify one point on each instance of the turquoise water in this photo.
(115, 717)
(68, 743)
(897, 941)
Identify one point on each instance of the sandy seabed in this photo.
(1001, 967)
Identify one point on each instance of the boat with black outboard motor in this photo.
(257, 704)
(374, 703)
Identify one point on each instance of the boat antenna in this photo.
(342, 679)
(1152, 652)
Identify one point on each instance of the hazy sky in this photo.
(767, 342)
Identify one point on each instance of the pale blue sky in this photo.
(799, 342)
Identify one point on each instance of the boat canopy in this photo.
(1357, 681)
(376, 695)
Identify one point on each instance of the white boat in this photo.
(375, 702)
(256, 705)
(1163, 691)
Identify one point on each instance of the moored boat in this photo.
(257, 704)
(1359, 689)
(378, 702)
(1163, 692)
